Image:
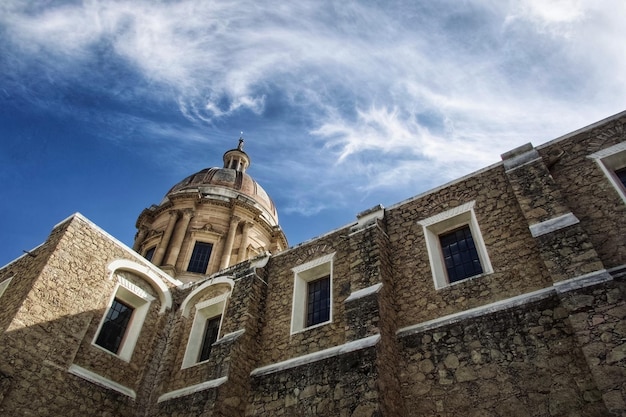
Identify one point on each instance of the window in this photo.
(204, 330)
(4, 284)
(150, 253)
(612, 161)
(456, 250)
(318, 301)
(121, 325)
(200, 257)
(312, 294)
(459, 254)
(211, 330)
(114, 326)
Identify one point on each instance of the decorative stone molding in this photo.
(149, 275)
(214, 383)
(185, 307)
(364, 292)
(519, 156)
(553, 224)
(101, 381)
(582, 281)
(368, 217)
(139, 292)
(317, 356)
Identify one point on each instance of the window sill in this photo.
(448, 285)
(315, 326)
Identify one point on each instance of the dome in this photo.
(229, 183)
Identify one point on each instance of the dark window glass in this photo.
(211, 329)
(621, 175)
(459, 254)
(150, 253)
(114, 327)
(200, 257)
(318, 301)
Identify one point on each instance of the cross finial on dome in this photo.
(240, 146)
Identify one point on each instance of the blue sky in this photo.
(344, 105)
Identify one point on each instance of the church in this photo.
(499, 294)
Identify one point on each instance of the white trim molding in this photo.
(610, 160)
(4, 284)
(447, 221)
(317, 356)
(187, 303)
(205, 310)
(192, 389)
(373, 289)
(587, 280)
(155, 281)
(553, 224)
(302, 276)
(101, 381)
(140, 305)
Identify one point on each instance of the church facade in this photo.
(501, 293)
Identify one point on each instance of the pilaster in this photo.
(230, 240)
(370, 308)
(165, 240)
(243, 247)
(178, 236)
(565, 247)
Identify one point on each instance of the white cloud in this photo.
(551, 13)
(393, 92)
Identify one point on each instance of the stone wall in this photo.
(277, 342)
(54, 326)
(521, 361)
(512, 250)
(586, 190)
(597, 316)
(341, 386)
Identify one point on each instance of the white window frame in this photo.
(304, 274)
(140, 301)
(610, 160)
(4, 284)
(445, 222)
(205, 310)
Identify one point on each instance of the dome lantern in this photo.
(236, 158)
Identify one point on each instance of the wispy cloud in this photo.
(387, 93)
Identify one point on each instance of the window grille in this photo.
(318, 301)
(114, 326)
(460, 254)
(200, 257)
(211, 331)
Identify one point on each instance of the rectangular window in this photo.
(456, 249)
(114, 326)
(211, 331)
(318, 301)
(200, 257)
(150, 253)
(4, 284)
(459, 254)
(312, 303)
(204, 330)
